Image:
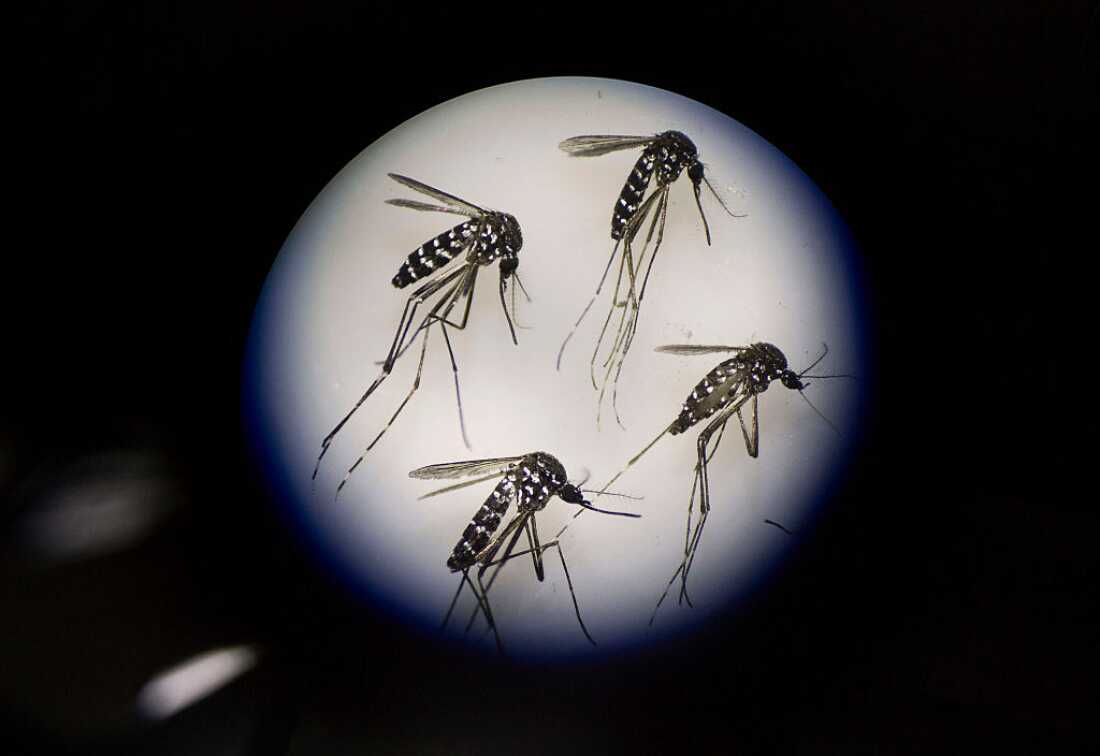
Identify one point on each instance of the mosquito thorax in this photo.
(672, 151)
(513, 237)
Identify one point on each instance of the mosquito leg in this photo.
(411, 304)
(587, 307)
(658, 197)
(415, 386)
(629, 325)
(483, 605)
(515, 533)
(704, 496)
(665, 594)
(451, 608)
(465, 287)
(689, 561)
(662, 214)
(631, 462)
(688, 552)
(458, 394)
(616, 354)
(691, 515)
(536, 552)
(607, 320)
(569, 582)
(752, 440)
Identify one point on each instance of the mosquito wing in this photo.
(414, 205)
(697, 349)
(461, 206)
(487, 467)
(592, 146)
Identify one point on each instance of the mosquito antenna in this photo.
(838, 375)
(721, 202)
(587, 475)
(515, 315)
(612, 493)
(825, 351)
(586, 505)
(587, 307)
(504, 306)
(522, 287)
(820, 413)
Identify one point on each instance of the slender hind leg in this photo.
(537, 550)
(592, 301)
(632, 328)
(704, 497)
(411, 304)
(415, 386)
(438, 314)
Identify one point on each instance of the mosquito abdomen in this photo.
(480, 531)
(715, 392)
(631, 195)
(434, 254)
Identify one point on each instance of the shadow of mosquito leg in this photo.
(483, 606)
(451, 608)
(587, 307)
(415, 386)
(397, 348)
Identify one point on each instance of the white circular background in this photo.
(327, 314)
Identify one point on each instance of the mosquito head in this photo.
(571, 494)
(791, 380)
(696, 174)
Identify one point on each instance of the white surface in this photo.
(328, 313)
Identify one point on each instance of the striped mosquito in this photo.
(731, 388)
(530, 481)
(487, 236)
(667, 155)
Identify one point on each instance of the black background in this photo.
(161, 155)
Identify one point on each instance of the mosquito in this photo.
(487, 236)
(530, 481)
(731, 388)
(667, 154)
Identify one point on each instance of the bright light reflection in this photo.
(182, 685)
